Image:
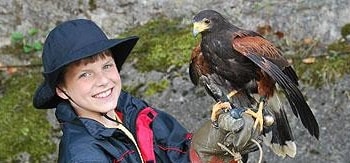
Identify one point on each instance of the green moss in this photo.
(339, 47)
(151, 88)
(345, 30)
(92, 5)
(133, 89)
(328, 68)
(155, 87)
(324, 70)
(163, 43)
(23, 128)
(12, 49)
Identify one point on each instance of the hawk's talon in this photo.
(217, 109)
(259, 117)
(215, 124)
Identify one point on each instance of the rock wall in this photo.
(298, 19)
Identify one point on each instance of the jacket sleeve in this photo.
(172, 140)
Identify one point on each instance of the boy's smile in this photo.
(103, 94)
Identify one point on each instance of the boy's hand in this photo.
(227, 143)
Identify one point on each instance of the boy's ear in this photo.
(60, 93)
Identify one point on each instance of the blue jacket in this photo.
(86, 140)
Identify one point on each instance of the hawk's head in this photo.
(208, 21)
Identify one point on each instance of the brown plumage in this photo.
(233, 59)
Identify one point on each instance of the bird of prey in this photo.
(234, 63)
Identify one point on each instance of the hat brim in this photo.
(45, 96)
(122, 50)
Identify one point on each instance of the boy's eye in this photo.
(108, 66)
(84, 75)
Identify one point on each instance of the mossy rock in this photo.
(339, 47)
(163, 43)
(23, 128)
(327, 68)
(345, 30)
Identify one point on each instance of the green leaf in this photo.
(37, 46)
(27, 48)
(17, 37)
(33, 31)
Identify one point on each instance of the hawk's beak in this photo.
(198, 27)
(194, 32)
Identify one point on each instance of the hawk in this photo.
(234, 64)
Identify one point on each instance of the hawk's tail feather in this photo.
(289, 149)
(299, 106)
(289, 71)
(282, 140)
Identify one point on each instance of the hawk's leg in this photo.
(220, 106)
(259, 117)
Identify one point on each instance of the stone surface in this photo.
(321, 19)
(317, 19)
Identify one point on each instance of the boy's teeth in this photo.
(103, 94)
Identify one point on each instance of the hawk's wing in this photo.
(197, 66)
(270, 60)
(257, 45)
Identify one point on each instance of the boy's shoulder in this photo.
(80, 147)
(127, 100)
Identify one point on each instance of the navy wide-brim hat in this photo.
(71, 41)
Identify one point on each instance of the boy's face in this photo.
(94, 87)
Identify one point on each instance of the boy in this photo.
(101, 123)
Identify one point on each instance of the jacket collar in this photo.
(130, 107)
(65, 114)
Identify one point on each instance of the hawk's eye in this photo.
(206, 21)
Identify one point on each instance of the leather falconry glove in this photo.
(230, 142)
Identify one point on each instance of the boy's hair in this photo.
(85, 61)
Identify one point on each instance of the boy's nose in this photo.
(102, 79)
